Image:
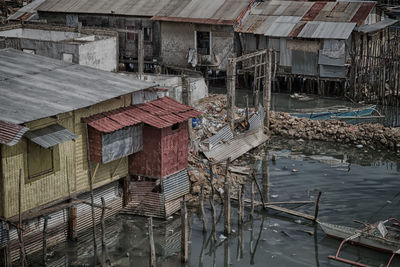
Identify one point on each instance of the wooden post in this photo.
(213, 214)
(19, 228)
(126, 194)
(256, 87)
(151, 243)
(186, 93)
(252, 201)
(140, 53)
(241, 204)
(227, 201)
(203, 213)
(103, 213)
(317, 206)
(267, 88)
(259, 189)
(231, 91)
(246, 99)
(72, 224)
(45, 240)
(185, 233)
(92, 205)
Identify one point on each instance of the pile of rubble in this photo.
(281, 124)
(364, 135)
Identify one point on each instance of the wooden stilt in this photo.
(213, 213)
(92, 205)
(72, 224)
(45, 240)
(19, 228)
(317, 206)
(103, 213)
(126, 194)
(151, 243)
(252, 201)
(231, 91)
(258, 188)
(203, 214)
(267, 88)
(185, 233)
(227, 202)
(241, 204)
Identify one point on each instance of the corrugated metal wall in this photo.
(304, 63)
(122, 143)
(175, 186)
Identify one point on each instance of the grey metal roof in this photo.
(27, 12)
(282, 26)
(50, 136)
(34, 87)
(327, 30)
(376, 26)
(147, 8)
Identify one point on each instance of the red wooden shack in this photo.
(154, 136)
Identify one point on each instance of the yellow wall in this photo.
(73, 173)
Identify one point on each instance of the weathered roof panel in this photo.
(11, 133)
(142, 8)
(376, 26)
(327, 30)
(34, 87)
(282, 26)
(160, 113)
(50, 136)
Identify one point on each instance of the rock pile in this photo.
(370, 135)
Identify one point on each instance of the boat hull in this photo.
(328, 115)
(365, 239)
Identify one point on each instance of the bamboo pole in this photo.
(151, 243)
(267, 89)
(241, 204)
(259, 189)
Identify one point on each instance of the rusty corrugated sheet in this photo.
(363, 12)
(313, 12)
(160, 113)
(11, 133)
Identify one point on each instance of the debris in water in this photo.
(389, 202)
(222, 237)
(359, 146)
(294, 170)
(273, 158)
(274, 196)
(298, 221)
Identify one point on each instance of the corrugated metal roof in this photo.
(225, 12)
(11, 133)
(327, 30)
(27, 12)
(305, 19)
(34, 87)
(50, 136)
(237, 147)
(142, 8)
(376, 26)
(160, 113)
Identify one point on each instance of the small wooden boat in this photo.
(375, 236)
(337, 112)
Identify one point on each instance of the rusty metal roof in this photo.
(11, 133)
(335, 20)
(160, 113)
(33, 87)
(142, 8)
(223, 12)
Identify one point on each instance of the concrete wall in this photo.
(178, 38)
(101, 54)
(127, 48)
(45, 35)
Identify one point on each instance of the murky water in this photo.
(357, 185)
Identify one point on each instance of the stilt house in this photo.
(159, 160)
(44, 164)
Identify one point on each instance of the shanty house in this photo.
(125, 17)
(159, 157)
(200, 33)
(93, 48)
(311, 39)
(43, 145)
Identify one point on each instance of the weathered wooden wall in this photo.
(374, 73)
(72, 175)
